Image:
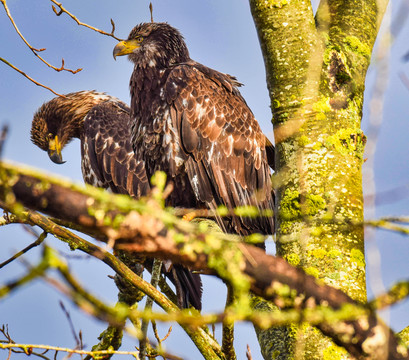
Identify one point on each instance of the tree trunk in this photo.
(316, 71)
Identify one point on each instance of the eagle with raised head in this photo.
(102, 124)
(191, 122)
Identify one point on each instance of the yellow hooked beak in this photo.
(54, 150)
(126, 47)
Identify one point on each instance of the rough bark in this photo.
(316, 70)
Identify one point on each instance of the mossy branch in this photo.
(161, 234)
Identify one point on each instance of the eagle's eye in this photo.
(50, 136)
(139, 39)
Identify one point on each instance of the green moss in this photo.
(358, 257)
(293, 259)
(357, 46)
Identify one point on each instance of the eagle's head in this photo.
(58, 121)
(154, 44)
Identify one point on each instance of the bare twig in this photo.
(67, 350)
(33, 49)
(72, 16)
(71, 324)
(151, 11)
(155, 331)
(29, 78)
(26, 249)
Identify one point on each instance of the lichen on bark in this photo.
(316, 77)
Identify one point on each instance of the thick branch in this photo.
(148, 235)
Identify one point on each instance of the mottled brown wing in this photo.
(227, 159)
(108, 158)
(112, 163)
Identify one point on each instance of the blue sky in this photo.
(219, 34)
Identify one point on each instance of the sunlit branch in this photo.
(395, 294)
(72, 16)
(26, 347)
(198, 336)
(33, 49)
(150, 230)
(29, 78)
(387, 225)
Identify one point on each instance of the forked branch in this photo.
(32, 48)
(80, 23)
(147, 234)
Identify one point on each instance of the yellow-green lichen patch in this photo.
(290, 207)
(286, 227)
(317, 145)
(293, 259)
(322, 107)
(312, 271)
(319, 253)
(313, 204)
(334, 253)
(358, 257)
(303, 141)
(334, 352)
(347, 142)
(357, 46)
(279, 3)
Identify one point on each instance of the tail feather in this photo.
(188, 286)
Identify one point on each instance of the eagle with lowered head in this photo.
(191, 122)
(102, 124)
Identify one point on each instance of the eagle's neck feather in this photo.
(73, 111)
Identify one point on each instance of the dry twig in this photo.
(72, 16)
(33, 49)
